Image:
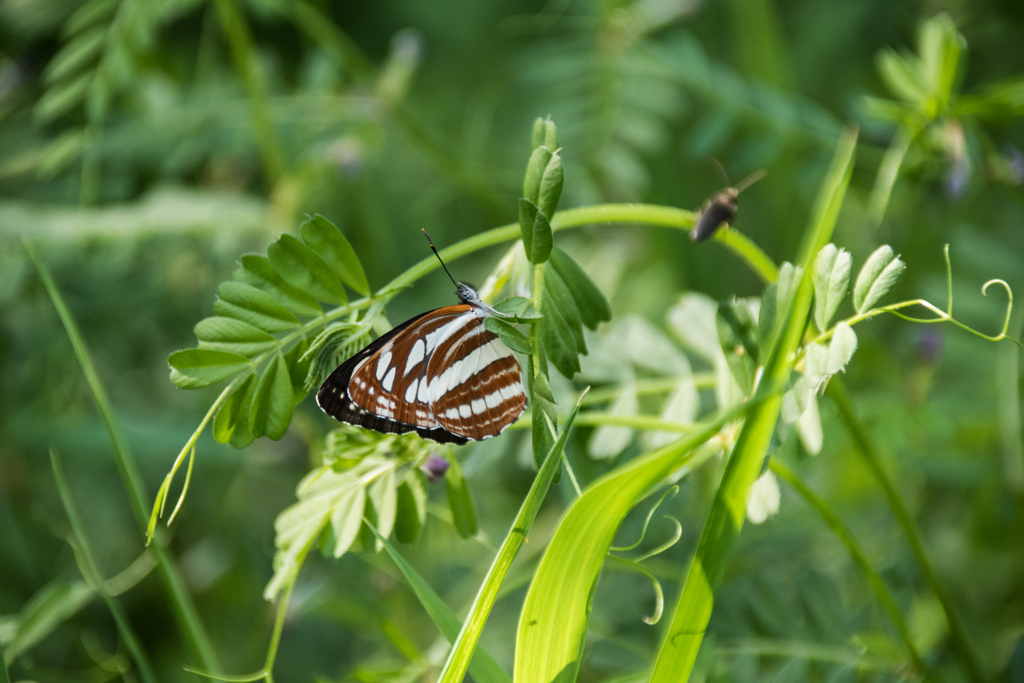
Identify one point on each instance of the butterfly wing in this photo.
(383, 387)
(474, 384)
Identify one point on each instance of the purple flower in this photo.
(929, 346)
(434, 468)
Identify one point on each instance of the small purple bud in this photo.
(929, 346)
(434, 468)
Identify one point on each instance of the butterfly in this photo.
(441, 374)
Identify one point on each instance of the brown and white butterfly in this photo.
(442, 375)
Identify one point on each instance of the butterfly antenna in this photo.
(433, 249)
(721, 169)
(751, 179)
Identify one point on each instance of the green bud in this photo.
(544, 133)
(551, 186)
(535, 168)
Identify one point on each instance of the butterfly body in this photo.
(441, 374)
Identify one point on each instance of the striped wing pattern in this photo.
(441, 374)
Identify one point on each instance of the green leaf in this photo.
(556, 333)
(62, 97)
(510, 336)
(347, 518)
(550, 190)
(324, 238)
(302, 268)
(272, 405)
(815, 364)
(254, 306)
(325, 497)
(482, 668)
(233, 336)
(940, 48)
(462, 649)
(231, 423)
(384, 495)
(841, 348)
(879, 276)
(777, 297)
(609, 441)
(258, 271)
(539, 159)
(544, 133)
(593, 306)
(77, 53)
(198, 368)
(737, 335)
(553, 622)
(410, 508)
(459, 500)
(559, 299)
(298, 369)
(536, 231)
(831, 283)
(901, 75)
(518, 307)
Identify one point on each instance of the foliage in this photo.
(152, 148)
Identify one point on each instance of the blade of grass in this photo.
(94, 577)
(846, 538)
(683, 638)
(836, 390)
(553, 623)
(462, 651)
(482, 668)
(184, 608)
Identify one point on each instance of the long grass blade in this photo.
(553, 623)
(683, 638)
(482, 668)
(462, 651)
(181, 602)
(131, 640)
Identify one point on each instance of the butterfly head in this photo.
(467, 293)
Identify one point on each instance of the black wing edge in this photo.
(333, 399)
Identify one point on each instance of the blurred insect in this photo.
(721, 208)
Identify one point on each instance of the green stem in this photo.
(275, 637)
(655, 385)
(595, 418)
(184, 608)
(844, 535)
(888, 170)
(809, 651)
(95, 577)
(244, 56)
(837, 392)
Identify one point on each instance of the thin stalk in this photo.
(656, 385)
(1008, 408)
(595, 418)
(244, 56)
(837, 392)
(275, 637)
(95, 577)
(184, 608)
(887, 172)
(809, 651)
(844, 535)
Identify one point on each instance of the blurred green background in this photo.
(146, 144)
